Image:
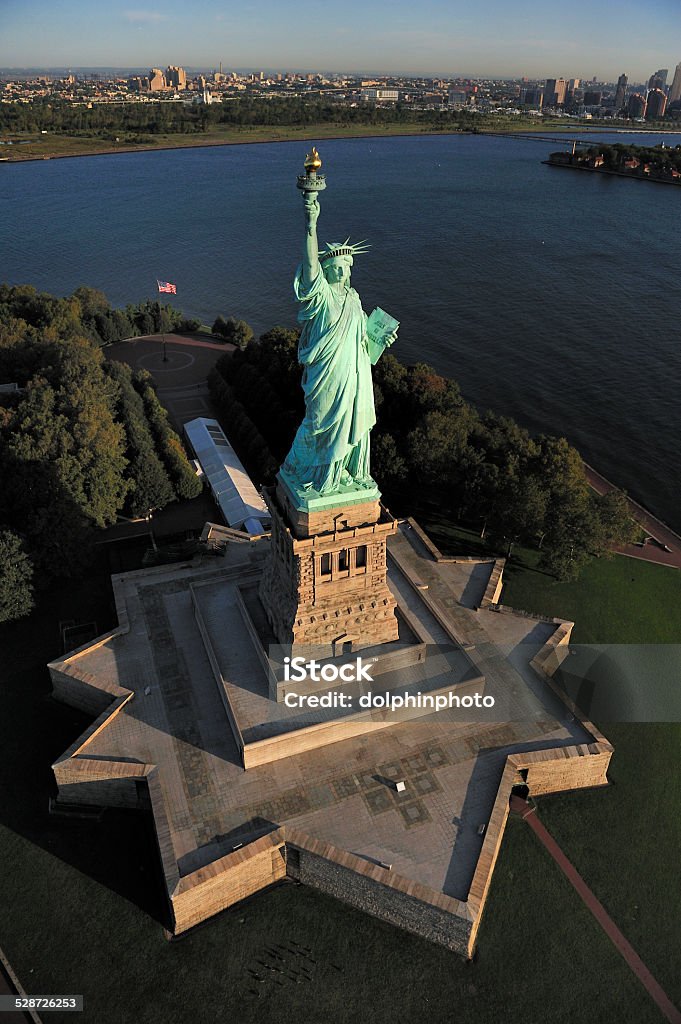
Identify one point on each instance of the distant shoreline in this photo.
(309, 135)
(633, 174)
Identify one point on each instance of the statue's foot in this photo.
(346, 478)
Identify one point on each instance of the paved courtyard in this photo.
(338, 793)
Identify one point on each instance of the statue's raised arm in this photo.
(330, 453)
(310, 267)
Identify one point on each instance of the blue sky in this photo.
(499, 37)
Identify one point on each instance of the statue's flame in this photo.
(312, 161)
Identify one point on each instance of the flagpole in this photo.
(163, 336)
(171, 289)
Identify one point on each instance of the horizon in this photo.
(136, 69)
(437, 41)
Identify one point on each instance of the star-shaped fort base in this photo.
(182, 698)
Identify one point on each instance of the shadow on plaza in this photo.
(481, 792)
(475, 585)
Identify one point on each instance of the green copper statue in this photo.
(338, 344)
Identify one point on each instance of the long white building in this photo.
(235, 493)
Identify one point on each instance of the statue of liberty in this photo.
(330, 453)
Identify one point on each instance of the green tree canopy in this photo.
(16, 577)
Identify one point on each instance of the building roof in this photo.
(231, 485)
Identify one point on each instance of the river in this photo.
(551, 296)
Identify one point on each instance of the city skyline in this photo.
(441, 38)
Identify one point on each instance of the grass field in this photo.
(30, 146)
(615, 601)
(55, 146)
(81, 901)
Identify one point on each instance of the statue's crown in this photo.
(346, 248)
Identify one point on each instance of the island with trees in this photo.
(646, 163)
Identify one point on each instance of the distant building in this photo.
(656, 104)
(555, 92)
(592, 98)
(571, 89)
(621, 91)
(675, 91)
(457, 98)
(139, 83)
(380, 95)
(176, 78)
(658, 79)
(636, 105)
(205, 97)
(157, 80)
(532, 98)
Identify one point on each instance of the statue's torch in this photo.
(312, 181)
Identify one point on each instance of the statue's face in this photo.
(337, 270)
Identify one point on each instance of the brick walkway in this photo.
(654, 989)
(663, 537)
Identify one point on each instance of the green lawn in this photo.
(81, 901)
(54, 145)
(615, 601)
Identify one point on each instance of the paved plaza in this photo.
(339, 793)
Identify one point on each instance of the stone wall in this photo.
(81, 691)
(350, 879)
(91, 781)
(105, 793)
(564, 769)
(227, 881)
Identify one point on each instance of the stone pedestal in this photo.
(325, 581)
(313, 514)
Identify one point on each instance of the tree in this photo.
(92, 301)
(219, 326)
(431, 447)
(388, 466)
(185, 482)
(615, 523)
(16, 577)
(236, 332)
(152, 488)
(188, 324)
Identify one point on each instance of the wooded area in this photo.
(431, 446)
(81, 441)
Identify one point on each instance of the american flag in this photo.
(166, 286)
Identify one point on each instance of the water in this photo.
(551, 296)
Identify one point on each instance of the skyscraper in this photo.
(656, 104)
(675, 91)
(554, 92)
(157, 80)
(176, 77)
(658, 79)
(621, 91)
(636, 106)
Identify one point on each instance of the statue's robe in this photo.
(339, 398)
